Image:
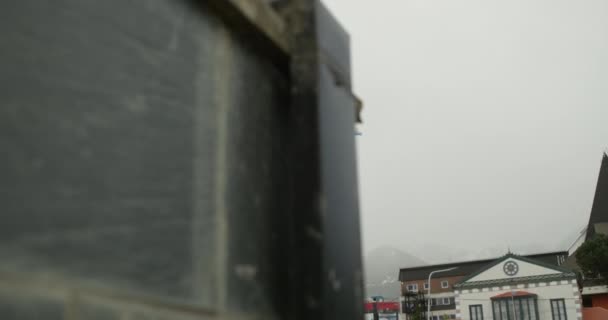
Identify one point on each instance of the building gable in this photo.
(513, 267)
(465, 268)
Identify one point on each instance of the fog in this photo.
(484, 122)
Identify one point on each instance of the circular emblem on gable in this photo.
(510, 268)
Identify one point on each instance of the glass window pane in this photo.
(532, 306)
(516, 309)
(558, 308)
(475, 312)
(525, 309)
(504, 315)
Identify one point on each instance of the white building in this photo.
(518, 288)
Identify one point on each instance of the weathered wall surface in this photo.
(142, 170)
(567, 290)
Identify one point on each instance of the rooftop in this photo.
(467, 267)
(599, 209)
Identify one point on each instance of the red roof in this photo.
(595, 313)
(513, 294)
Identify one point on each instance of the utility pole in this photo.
(513, 303)
(375, 306)
(428, 314)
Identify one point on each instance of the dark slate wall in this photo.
(17, 305)
(141, 153)
(342, 251)
(599, 210)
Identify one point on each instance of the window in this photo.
(441, 301)
(525, 308)
(445, 284)
(412, 287)
(426, 285)
(587, 302)
(558, 309)
(476, 312)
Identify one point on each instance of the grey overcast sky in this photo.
(484, 121)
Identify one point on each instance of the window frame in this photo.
(530, 301)
(563, 305)
(414, 287)
(443, 301)
(426, 285)
(447, 284)
(471, 306)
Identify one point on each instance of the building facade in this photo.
(443, 296)
(594, 290)
(518, 288)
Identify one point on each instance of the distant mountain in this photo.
(434, 253)
(382, 271)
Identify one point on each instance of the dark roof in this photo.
(592, 282)
(598, 219)
(599, 209)
(468, 267)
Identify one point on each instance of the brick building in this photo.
(443, 302)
